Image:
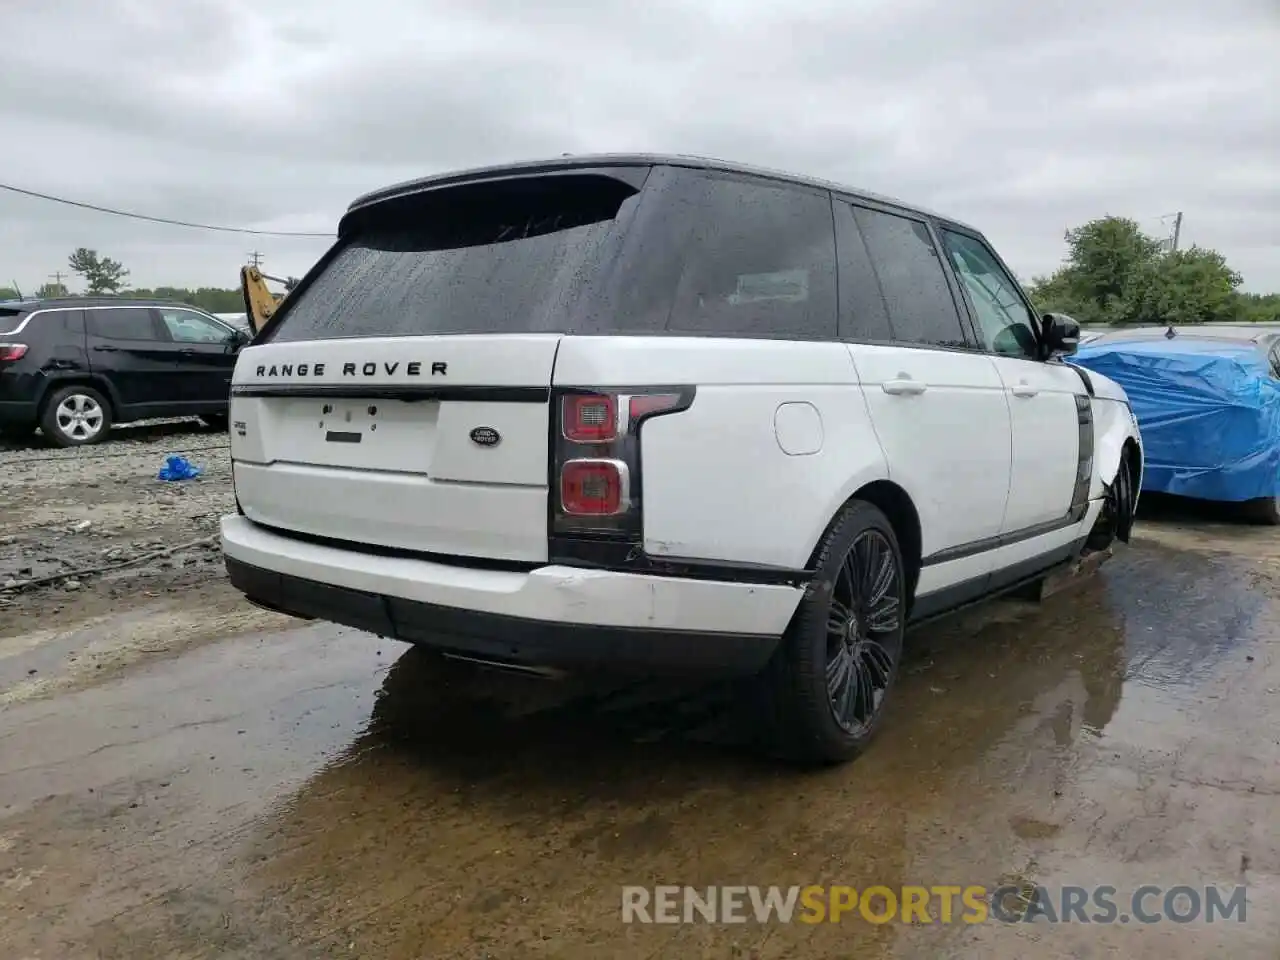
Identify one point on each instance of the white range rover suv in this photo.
(664, 414)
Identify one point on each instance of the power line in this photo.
(173, 223)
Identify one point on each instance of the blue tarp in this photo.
(1208, 410)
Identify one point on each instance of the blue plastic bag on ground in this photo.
(177, 468)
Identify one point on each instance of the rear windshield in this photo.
(489, 258)
(697, 253)
(9, 319)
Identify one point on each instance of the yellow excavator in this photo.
(260, 304)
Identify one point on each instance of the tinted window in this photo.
(9, 319)
(505, 257)
(187, 326)
(726, 257)
(125, 323)
(863, 312)
(72, 322)
(921, 308)
(1004, 322)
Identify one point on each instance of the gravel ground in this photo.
(96, 523)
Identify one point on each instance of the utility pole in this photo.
(56, 277)
(1177, 230)
(255, 259)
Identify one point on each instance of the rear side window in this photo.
(9, 319)
(509, 256)
(121, 324)
(727, 257)
(907, 266)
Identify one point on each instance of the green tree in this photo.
(1186, 286)
(1114, 273)
(212, 299)
(1259, 307)
(101, 274)
(1103, 258)
(51, 290)
(10, 293)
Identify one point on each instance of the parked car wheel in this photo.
(1116, 508)
(831, 679)
(76, 416)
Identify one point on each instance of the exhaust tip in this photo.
(528, 670)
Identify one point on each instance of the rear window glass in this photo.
(124, 323)
(695, 254)
(728, 257)
(506, 257)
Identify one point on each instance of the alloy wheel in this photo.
(79, 417)
(864, 641)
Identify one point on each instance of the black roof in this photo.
(49, 303)
(622, 160)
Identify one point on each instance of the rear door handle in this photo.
(904, 386)
(107, 349)
(1023, 390)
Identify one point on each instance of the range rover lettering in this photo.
(752, 423)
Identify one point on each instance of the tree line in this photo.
(1113, 274)
(103, 276)
(1116, 274)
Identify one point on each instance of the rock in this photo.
(82, 526)
(12, 584)
(72, 584)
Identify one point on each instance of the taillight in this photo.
(12, 351)
(594, 488)
(595, 513)
(589, 417)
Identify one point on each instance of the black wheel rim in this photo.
(864, 636)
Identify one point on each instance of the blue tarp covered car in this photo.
(1208, 404)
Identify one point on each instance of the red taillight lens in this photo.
(12, 351)
(595, 476)
(593, 488)
(590, 417)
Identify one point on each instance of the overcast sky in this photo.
(1021, 116)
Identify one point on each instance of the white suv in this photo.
(664, 414)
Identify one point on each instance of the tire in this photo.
(814, 702)
(76, 416)
(216, 421)
(1116, 507)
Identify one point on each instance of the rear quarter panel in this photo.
(718, 484)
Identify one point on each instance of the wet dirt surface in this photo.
(268, 788)
(86, 531)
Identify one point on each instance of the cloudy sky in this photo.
(1021, 116)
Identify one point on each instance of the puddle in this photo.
(317, 792)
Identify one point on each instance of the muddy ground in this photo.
(182, 775)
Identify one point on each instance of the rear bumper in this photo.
(555, 616)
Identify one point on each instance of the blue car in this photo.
(1207, 400)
